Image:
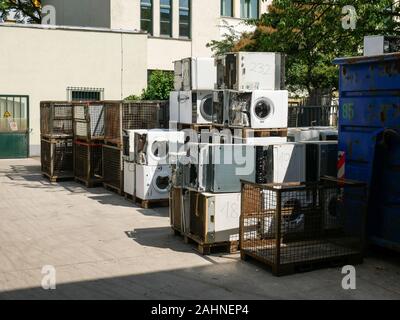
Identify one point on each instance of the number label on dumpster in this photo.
(348, 111)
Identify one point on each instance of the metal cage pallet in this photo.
(88, 167)
(130, 115)
(175, 208)
(56, 119)
(57, 159)
(290, 227)
(113, 169)
(88, 121)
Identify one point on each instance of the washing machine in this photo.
(174, 106)
(153, 147)
(128, 143)
(269, 109)
(153, 182)
(198, 73)
(196, 107)
(129, 177)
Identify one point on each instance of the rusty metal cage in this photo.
(56, 119)
(57, 158)
(131, 115)
(88, 167)
(113, 168)
(291, 227)
(89, 121)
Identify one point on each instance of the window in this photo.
(227, 8)
(85, 94)
(165, 18)
(249, 9)
(146, 15)
(184, 18)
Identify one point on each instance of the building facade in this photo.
(102, 49)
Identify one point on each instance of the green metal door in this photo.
(14, 124)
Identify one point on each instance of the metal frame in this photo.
(27, 131)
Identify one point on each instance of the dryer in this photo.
(196, 107)
(153, 147)
(128, 143)
(153, 182)
(259, 109)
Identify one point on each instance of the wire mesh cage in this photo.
(289, 226)
(112, 168)
(131, 115)
(57, 158)
(88, 166)
(89, 121)
(56, 119)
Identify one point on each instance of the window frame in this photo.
(232, 9)
(151, 19)
(169, 35)
(189, 24)
(243, 16)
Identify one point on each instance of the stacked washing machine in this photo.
(147, 170)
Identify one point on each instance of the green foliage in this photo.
(159, 86)
(311, 33)
(23, 10)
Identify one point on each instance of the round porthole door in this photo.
(263, 108)
(206, 107)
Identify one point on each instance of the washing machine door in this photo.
(263, 108)
(206, 107)
(161, 182)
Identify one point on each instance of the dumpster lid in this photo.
(367, 59)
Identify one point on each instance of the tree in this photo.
(159, 87)
(23, 10)
(313, 32)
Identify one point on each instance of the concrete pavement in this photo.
(102, 247)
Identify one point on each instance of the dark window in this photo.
(166, 18)
(85, 94)
(184, 18)
(227, 8)
(146, 16)
(249, 9)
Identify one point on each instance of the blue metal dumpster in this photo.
(369, 138)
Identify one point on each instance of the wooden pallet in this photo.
(198, 127)
(112, 188)
(147, 204)
(262, 133)
(90, 183)
(129, 197)
(208, 248)
(305, 266)
(54, 179)
(90, 141)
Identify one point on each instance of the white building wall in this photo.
(42, 63)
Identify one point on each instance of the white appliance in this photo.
(281, 163)
(153, 182)
(260, 109)
(378, 45)
(245, 71)
(128, 142)
(198, 74)
(154, 146)
(178, 83)
(174, 106)
(303, 134)
(196, 107)
(213, 217)
(129, 177)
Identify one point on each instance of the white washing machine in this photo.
(154, 146)
(196, 107)
(269, 109)
(198, 73)
(174, 106)
(129, 177)
(153, 182)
